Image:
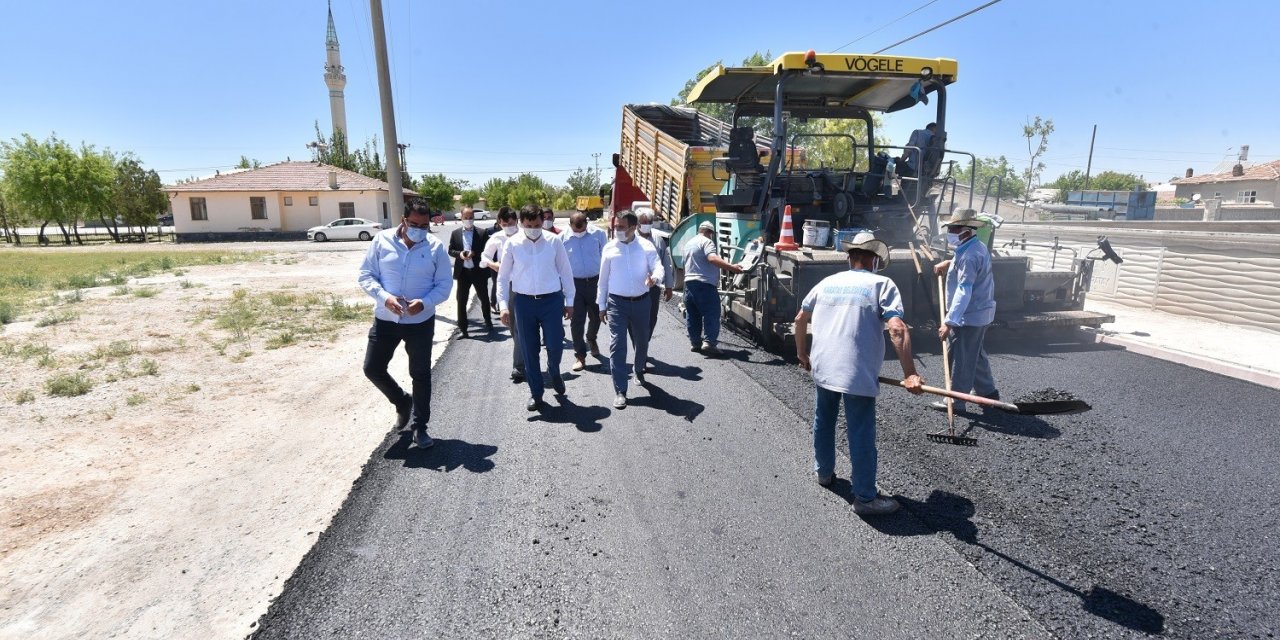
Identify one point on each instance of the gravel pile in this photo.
(1048, 394)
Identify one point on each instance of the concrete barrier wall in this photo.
(1225, 213)
(1228, 277)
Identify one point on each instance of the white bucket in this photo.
(817, 233)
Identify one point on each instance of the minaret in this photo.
(335, 78)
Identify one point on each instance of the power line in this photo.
(935, 28)
(888, 24)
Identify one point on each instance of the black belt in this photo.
(635, 299)
(588, 279)
(541, 295)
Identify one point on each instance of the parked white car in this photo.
(345, 229)
(480, 214)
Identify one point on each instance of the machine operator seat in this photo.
(744, 158)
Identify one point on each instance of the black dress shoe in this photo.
(534, 404)
(517, 375)
(640, 377)
(402, 416)
(557, 383)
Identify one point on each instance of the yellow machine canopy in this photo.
(827, 84)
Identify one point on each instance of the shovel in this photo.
(1048, 407)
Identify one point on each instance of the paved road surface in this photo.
(693, 512)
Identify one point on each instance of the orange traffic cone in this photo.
(787, 241)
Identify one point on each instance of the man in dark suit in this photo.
(465, 246)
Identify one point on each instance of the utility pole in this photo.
(1088, 169)
(596, 157)
(395, 184)
(404, 166)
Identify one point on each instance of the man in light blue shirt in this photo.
(407, 272)
(971, 307)
(584, 243)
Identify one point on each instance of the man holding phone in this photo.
(407, 272)
(466, 245)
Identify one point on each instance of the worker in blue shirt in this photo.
(971, 307)
(408, 272)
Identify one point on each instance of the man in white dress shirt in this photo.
(628, 269)
(535, 279)
(506, 228)
(407, 271)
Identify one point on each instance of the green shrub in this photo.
(146, 292)
(80, 281)
(68, 385)
(135, 399)
(8, 312)
(341, 311)
(56, 318)
(24, 396)
(282, 339)
(121, 291)
(117, 349)
(149, 367)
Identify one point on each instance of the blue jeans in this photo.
(702, 312)
(545, 315)
(970, 371)
(627, 318)
(860, 415)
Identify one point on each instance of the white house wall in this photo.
(229, 212)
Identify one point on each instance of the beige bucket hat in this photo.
(965, 218)
(866, 241)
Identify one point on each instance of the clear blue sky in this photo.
(484, 87)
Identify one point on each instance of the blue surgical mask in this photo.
(415, 235)
(953, 239)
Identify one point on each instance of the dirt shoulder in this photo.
(177, 494)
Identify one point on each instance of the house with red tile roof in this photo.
(277, 201)
(1242, 184)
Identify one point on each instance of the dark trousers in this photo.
(469, 279)
(542, 315)
(627, 318)
(493, 288)
(586, 314)
(655, 300)
(384, 337)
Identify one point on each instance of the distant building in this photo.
(1252, 184)
(334, 78)
(281, 200)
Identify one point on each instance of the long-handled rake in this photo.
(949, 436)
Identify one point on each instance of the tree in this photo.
(584, 182)
(564, 201)
(1116, 181)
(437, 190)
(837, 152)
(91, 187)
(246, 163)
(469, 197)
(991, 169)
(1030, 131)
(495, 192)
(138, 196)
(38, 177)
(528, 188)
(1106, 181)
(724, 112)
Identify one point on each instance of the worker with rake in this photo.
(850, 312)
(971, 306)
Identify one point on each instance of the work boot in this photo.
(402, 414)
(595, 348)
(824, 479)
(695, 348)
(517, 375)
(579, 363)
(710, 349)
(880, 506)
(620, 401)
(534, 404)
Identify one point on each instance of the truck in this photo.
(696, 168)
(591, 206)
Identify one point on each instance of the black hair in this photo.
(417, 206)
(505, 214)
(630, 216)
(530, 212)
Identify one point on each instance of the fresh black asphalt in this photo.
(693, 512)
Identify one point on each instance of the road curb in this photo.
(1269, 379)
